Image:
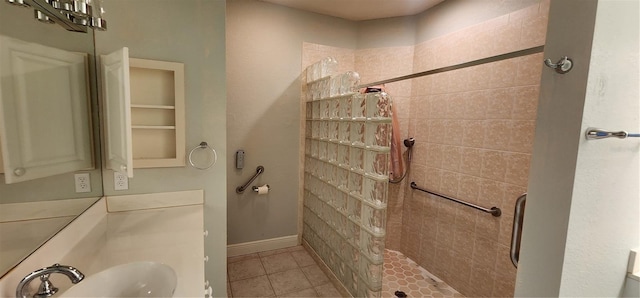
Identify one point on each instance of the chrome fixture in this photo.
(409, 144)
(204, 146)
(259, 170)
(73, 15)
(495, 211)
(597, 133)
(46, 288)
(563, 65)
(516, 231)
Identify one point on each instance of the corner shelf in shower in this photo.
(157, 113)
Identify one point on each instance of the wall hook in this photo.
(564, 65)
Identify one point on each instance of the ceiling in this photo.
(360, 10)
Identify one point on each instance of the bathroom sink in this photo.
(138, 279)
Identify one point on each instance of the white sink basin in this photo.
(139, 279)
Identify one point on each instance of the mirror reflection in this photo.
(50, 161)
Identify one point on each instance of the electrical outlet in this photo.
(83, 182)
(120, 181)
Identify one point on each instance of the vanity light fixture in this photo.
(73, 15)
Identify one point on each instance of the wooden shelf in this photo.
(157, 113)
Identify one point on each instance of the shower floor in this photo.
(403, 274)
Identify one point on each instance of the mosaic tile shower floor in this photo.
(403, 274)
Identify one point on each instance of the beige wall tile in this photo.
(497, 134)
(476, 104)
(522, 133)
(499, 103)
(433, 179)
(473, 133)
(471, 163)
(482, 280)
(525, 103)
(529, 70)
(494, 165)
(469, 188)
(449, 184)
(517, 168)
(451, 158)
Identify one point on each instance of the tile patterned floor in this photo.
(291, 272)
(288, 272)
(403, 274)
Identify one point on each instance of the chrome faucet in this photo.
(46, 288)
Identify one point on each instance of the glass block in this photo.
(315, 111)
(334, 242)
(354, 208)
(333, 108)
(377, 163)
(324, 109)
(309, 110)
(332, 131)
(351, 255)
(344, 110)
(371, 274)
(314, 148)
(365, 292)
(308, 129)
(353, 233)
(358, 106)
(307, 148)
(344, 128)
(342, 224)
(350, 81)
(335, 82)
(322, 150)
(343, 156)
(357, 134)
(378, 135)
(357, 159)
(355, 184)
(375, 191)
(372, 247)
(315, 129)
(374, 219)
(342, 178)
(325, 88)
(323, 127)
(332, 153)
(378, 105)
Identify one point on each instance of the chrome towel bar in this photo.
(597, 133)
(495, 211)
(259, 170)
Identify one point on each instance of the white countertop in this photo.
(98, 240)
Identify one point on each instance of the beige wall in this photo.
(191, 32)
(264, 59)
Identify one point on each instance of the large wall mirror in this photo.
(50, 169)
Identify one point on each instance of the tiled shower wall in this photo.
(474, 129)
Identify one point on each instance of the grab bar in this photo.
(495, 211)
(516, 233)
(259, 170)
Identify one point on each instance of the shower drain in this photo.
(400, 294)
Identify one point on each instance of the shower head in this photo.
(409, 142)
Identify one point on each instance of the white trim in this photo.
(261, 245)
(155, 200)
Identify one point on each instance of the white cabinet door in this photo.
(44, 111)
(117, 109)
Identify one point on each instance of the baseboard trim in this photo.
(261, 245)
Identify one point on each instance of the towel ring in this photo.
(203, 145)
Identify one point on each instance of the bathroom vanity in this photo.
(163, 228)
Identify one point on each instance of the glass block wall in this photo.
(347, 140)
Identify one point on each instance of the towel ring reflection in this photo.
(203, 145)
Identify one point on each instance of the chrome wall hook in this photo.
(597, 133)
(563, 65)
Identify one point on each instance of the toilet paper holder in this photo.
(255, 188)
